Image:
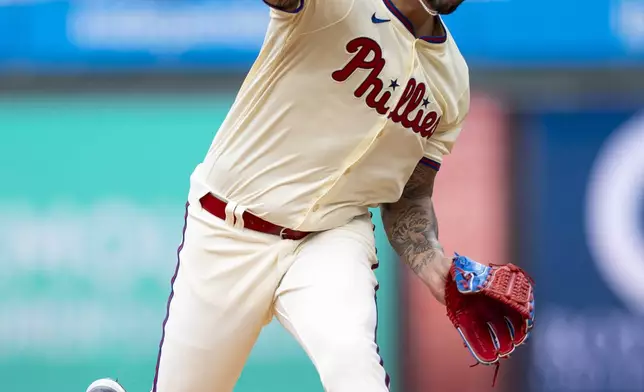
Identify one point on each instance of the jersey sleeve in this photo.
(444, 139)
(312, 15)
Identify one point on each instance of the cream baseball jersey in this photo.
(340, 106)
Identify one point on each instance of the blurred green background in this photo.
(88, 249)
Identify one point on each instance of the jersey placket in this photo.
(364, 148)
(413, 58)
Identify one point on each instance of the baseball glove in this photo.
(492, 307)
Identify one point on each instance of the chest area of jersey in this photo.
(396, 84)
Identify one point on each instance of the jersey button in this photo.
(316, 207)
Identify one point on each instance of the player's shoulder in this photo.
(457, 63)
(454, 85)
(310, 10)
(454, 52)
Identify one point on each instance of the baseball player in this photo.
(351, 104)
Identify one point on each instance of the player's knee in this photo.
(348, 361)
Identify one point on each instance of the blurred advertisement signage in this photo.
(73, 35)
(585, 228)
(615, 212)
(77, 35)
(166, 27)
(519, 32)
(628, 23)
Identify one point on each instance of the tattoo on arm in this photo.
(411, 223)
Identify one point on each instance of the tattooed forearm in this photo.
(411, 223)
(412, 228)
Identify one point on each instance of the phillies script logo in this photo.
(414, 95)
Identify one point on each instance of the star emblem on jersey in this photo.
(425, 102)
(377, 20)
(402, 108)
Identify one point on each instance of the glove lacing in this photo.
(496, 365)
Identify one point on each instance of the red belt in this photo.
(218, 208)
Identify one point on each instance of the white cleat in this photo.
(105, 385)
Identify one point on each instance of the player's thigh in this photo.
(202, 350)
(221, 297)
(327, 301)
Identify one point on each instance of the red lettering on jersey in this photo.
(413, 104)
(410, 100)
(429, 124)
(395, 116)
(365, 48)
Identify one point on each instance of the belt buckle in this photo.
(282, 233)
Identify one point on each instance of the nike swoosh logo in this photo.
(377, 20)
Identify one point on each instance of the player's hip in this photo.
(221, 263)
(291, 206)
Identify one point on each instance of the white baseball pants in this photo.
(230, 282)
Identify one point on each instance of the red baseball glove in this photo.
(492, 307)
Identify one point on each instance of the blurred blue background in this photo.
(48, 36)
(107, 105)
